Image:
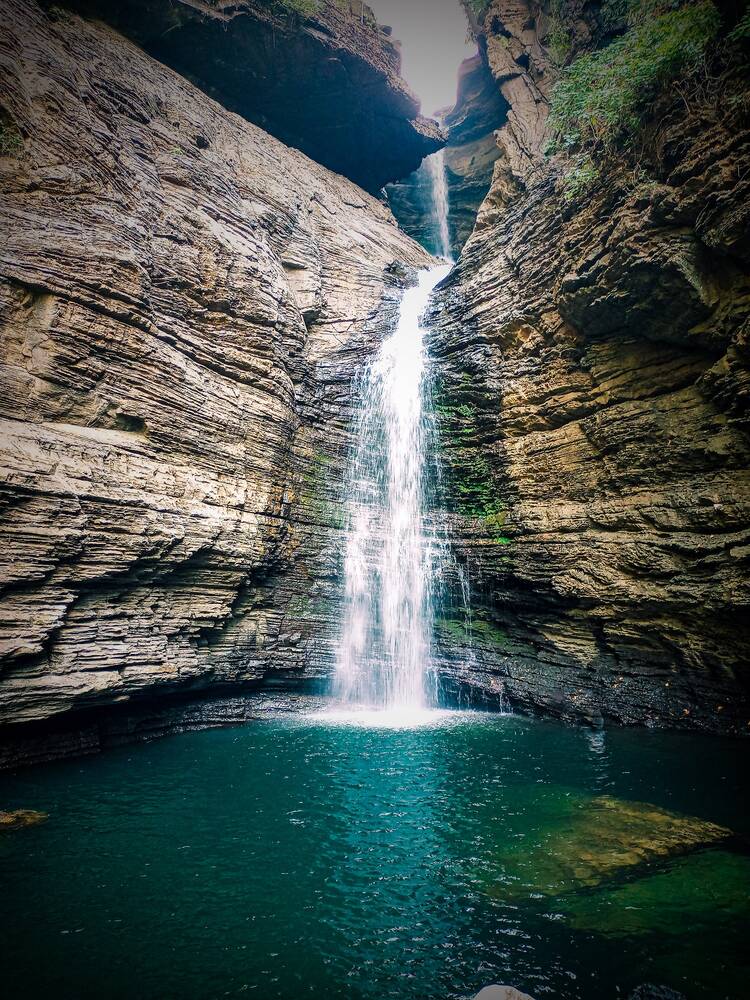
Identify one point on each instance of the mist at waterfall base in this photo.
(298, 857)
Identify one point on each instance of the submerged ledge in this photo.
(91, 731)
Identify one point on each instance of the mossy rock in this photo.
(601, 837)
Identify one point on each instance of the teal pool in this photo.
(309, 856)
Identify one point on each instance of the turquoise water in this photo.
(303, 857)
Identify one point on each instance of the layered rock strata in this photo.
(185, 303)
(593, 396)
(321, 75)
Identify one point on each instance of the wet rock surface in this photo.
(322, 77)
(592, 394)
(84, 733)
(185, 304)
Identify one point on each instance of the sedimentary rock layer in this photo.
(322, 75)
(184, 303)
(593, 394)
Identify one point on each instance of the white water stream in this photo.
(384, 653)
(392, 561)
(435, 166)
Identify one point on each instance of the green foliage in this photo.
(741, 33)
(302, 7)
(558, 36)
(11, 140)
(479, 8)
(602, 96)
(580, 178)
(613, 13)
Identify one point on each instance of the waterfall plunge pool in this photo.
(307, 856)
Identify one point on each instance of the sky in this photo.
(433, 45)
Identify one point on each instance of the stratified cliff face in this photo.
(472, 148)
(469, 158)
(184, 304)
(593, 394)
(321, 75)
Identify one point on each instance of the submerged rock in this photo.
(18, 819)
(700, 889)
(602, 837)
(650, 992)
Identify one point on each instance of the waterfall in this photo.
(390, 565)
(435, 165)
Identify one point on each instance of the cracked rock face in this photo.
(593, 397)
(325, 80)
(185, 303)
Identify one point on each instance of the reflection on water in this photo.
(338, 856)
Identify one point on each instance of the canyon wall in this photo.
(321, 75)
(185, 302)
(593, 396)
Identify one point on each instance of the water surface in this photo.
(315, 857)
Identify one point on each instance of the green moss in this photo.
(602, 97)
(478, 630)
(11, 140)
(302, 7)
(330, 513)
(472, 487)
(488, 632)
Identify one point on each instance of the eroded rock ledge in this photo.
(326, 81)
(593, 395)
(185, 302)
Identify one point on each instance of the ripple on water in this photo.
(366, 855)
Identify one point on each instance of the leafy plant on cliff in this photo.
(580, 177)
(741, 33)
(479, 8)
(302, 7)
(601, 98)
(11, 140)
(558, 37)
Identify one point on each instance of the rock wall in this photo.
(185, 302)
(321, 75)
(593, 398)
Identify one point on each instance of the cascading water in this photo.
(384, 654)
(435, 165)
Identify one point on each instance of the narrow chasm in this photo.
(374, 426)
